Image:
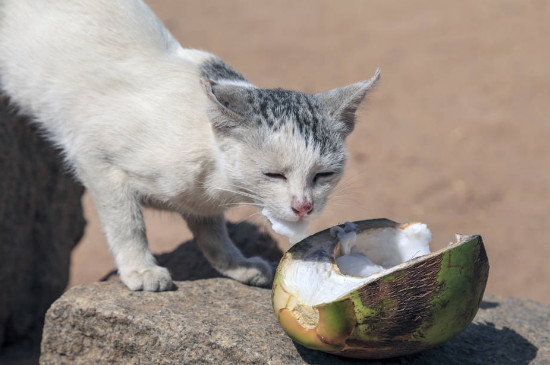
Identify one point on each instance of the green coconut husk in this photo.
(408, 308)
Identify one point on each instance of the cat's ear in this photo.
(229, 106)
(343, 102)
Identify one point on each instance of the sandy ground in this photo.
(456, 135)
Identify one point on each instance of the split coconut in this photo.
(406, 300)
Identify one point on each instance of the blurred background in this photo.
(455, 135)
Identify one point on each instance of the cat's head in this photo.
(284, 150)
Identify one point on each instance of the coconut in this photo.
(408, 299)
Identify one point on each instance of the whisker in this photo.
(244, 203)
(369, 210)
(248, 217)
(346, 187)
(330, 197)
(237, 193)
(351, 181)
(245, 188)
(413, 255)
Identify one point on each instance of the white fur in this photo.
(112, 88)
(123, 100)
(295, 231)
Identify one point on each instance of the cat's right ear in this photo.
(228, 107)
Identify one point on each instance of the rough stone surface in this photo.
(212, 320)
(40, 222)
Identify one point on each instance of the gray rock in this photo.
(217, 320)
(40, 222)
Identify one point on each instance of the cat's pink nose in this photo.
(301, 208)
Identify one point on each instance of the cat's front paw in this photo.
(149, 278)
(252, 271)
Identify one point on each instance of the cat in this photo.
(142, 121)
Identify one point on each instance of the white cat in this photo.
(142, 120)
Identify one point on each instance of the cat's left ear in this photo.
(229, 107)
(343, 102)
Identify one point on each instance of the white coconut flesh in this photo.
(360, 258)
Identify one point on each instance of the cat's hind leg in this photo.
(213, 239)
(120, 212)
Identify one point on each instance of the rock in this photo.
(40, 222)
(212, 320)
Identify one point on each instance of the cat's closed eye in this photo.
(275, 175)
(322, 175)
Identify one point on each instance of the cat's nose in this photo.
(301, 208)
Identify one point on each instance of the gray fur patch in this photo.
(272, 108)
(217, 70)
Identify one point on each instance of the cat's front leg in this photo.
(121, 217)
(213, 239)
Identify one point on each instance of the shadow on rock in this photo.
(187, 262)
(488, 305)
(480, 343)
